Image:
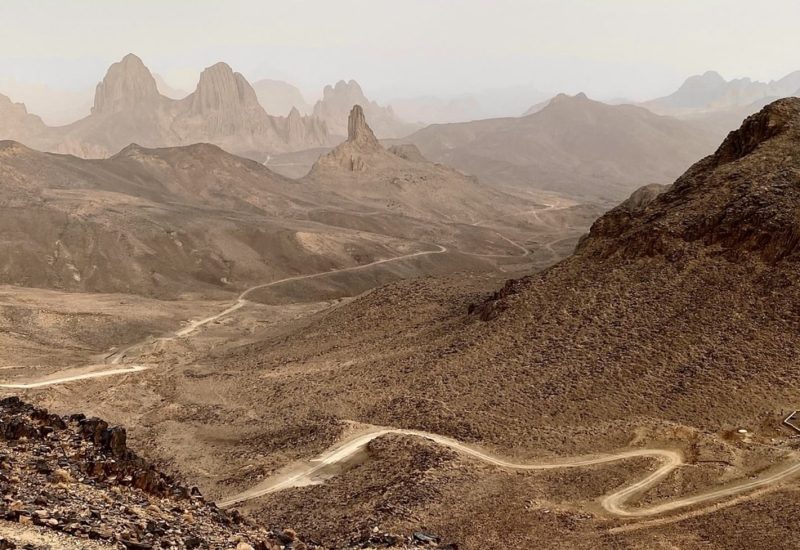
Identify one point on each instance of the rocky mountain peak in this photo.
(739, 203)
(220, 88)
(358, 131)
(774, 119)
(343, 90)
(127, 83)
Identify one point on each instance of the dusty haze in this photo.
(612, 48)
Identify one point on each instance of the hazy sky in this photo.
(634, 48)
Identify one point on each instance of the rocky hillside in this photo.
(573, 145)
(128, 108)
(76, 476)
(742, 201)
(161, 222)
(673, 325)
(401, 179)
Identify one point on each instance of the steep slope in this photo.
(224, 110)
(337, 101)
(279, 98)
(574, 145)
(128, 108)
(720, 243)
(674, 325)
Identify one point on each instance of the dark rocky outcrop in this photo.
(743, 199)
(741, 204)
(76, 475)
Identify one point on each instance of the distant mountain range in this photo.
(574, 145)
(128, 108)
(710, 92)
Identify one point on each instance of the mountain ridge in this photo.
(128, 107)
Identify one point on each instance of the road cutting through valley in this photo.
(313, 472)
(73, 378)
(117, 357)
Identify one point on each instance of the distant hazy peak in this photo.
(344, 88)
(219, 87)
(566, 98)
(127, 84)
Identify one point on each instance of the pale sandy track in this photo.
(613, 503)
(193, 326)
(242, 299)
(64, 379)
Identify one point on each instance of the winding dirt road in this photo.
(241, 300)
(117, 357)
(614, 503)
(319, 469)
(72, 378)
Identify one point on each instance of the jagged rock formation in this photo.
(358, 132)
(359, 151)
(401, 177)
(127, 85)
(335, 105)
(128, 108)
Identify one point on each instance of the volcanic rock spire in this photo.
(358, 131)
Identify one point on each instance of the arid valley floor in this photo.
(373, 341)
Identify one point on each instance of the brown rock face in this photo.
(128, 108)
(127, 84)
(220, 89)
(357, 129)
(742, 200)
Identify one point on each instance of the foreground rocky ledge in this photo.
(76, 475)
